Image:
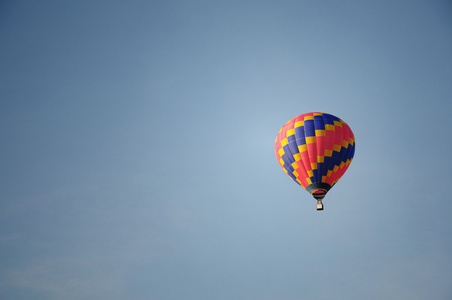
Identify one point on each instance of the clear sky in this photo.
(137, 149)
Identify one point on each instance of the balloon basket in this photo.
(319, 205)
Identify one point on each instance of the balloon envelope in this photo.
(315, 149)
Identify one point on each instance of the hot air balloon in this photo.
(315, 149)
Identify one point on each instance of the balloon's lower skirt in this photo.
(318, 185)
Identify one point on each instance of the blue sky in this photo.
(137, 149)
